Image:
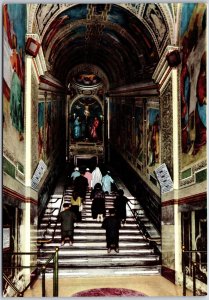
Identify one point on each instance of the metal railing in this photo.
(44, 239)
(9, 282)
(55, 227)
(195, 266)
(54, 257)
(143, 229)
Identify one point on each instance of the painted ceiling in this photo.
(126, 48)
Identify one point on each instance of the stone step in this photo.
(88, 256)
(95, 231)
(87, 225)
(87, 251)
(98, 243)
(95, 272)
(104, 261)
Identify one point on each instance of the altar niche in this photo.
(86, 121)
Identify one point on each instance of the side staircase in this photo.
(88, 256)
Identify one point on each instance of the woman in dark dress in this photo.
(98, 203)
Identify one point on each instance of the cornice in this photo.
(39, 60)
(186, 200)
(9, 192)
(163, 69)
(138, 89)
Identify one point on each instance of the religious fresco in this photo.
(44, 13)
(118, 121)
(86, 121)
(87, 79)
(14, 30)
(193, 82)
(155, 19)
(40, 129)
(115, 25)
(139, 133)
(153, 137)
(48, 128)
(112, 120)
(128, 128)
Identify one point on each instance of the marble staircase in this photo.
(88, 256)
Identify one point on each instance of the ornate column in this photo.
(34, 67)
(166, 75)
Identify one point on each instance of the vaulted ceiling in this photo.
(108, 36)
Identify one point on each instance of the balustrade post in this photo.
(55, 275)
(43, 270)
(184, 271)
(194, 279)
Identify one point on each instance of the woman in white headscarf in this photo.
(96, 177)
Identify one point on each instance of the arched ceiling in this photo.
(125, 47)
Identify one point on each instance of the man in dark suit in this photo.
(112, 226)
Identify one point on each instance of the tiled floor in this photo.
(148, 285)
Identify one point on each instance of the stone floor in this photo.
(148, 285)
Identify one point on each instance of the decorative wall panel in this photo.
(166, 109)
(139, 124)
(153, 137)
(34, 121)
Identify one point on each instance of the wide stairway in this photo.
(88, 256)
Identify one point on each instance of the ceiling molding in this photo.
(140, 89)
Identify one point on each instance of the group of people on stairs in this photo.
(94, 178)
(99, 186)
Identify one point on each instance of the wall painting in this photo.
(40, 130)
(153, 137)
(139, 133)
(193, 83)
(14, 30)
(86, 121)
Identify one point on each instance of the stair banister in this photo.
(55, 227)
(55, 275)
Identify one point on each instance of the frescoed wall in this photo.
(34, 121)
(116, 122)
(50, 125)
(138, 143)
(139, 133)
(193, 82)
(154, 18)
(128, 128)
(14, 30)
(153, 137)
(40, 129)
(48, 129)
